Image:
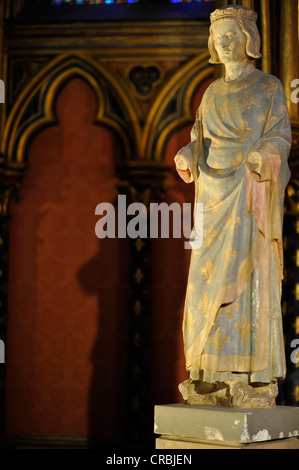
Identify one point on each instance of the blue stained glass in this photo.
(192, 1)
(90, 2)
(98, 2)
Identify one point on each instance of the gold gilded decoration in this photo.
(247, 101)
(190, 287)
(138, 275)
(289, 52)
(209, 270)
(236, 161)
(210, 235)
(270, 121)
(244, 327)
(201, 190)
(46, 84)
(205, 304)
(271, 86)
(244, 131)
(210, 104)
(218, 170)
(230, 311)
(192, 323)
(138, 307)
(232, 221)
(266, 34)
(228, 254)
(150, 135)
(219, 340)
(139, 244)
(233, 13)
(213, 203)
(224, 110)
(7, 194)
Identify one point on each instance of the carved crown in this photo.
(234, 13)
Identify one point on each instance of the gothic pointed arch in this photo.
(34, 108)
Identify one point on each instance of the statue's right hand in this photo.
(181, 162)
(185, 175)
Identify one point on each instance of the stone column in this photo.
(289, 50)
(141, 184)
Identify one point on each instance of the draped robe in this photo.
(232, 319)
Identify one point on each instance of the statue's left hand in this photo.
(255, 162)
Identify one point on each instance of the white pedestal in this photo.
(202, 427)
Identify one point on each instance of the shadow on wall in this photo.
(106, 277)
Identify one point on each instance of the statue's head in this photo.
(237, 26)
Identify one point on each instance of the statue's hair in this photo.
(253, 40)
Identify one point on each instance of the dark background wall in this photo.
(97, 107)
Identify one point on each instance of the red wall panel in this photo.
(67, 288)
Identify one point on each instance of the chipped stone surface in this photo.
(261, 436)
(214, 434)
(245, 437)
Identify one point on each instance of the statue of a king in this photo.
(237, 158)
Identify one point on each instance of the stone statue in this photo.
(237, 158)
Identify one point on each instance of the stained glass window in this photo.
(192, 1)
(97, 2)
(202, 5)
(90, 2)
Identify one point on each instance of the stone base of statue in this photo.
(229, 394)
(183, 426)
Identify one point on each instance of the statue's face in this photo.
(229, 41)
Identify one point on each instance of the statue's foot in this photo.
(229, 394)
(196, 392)
(248, 396)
